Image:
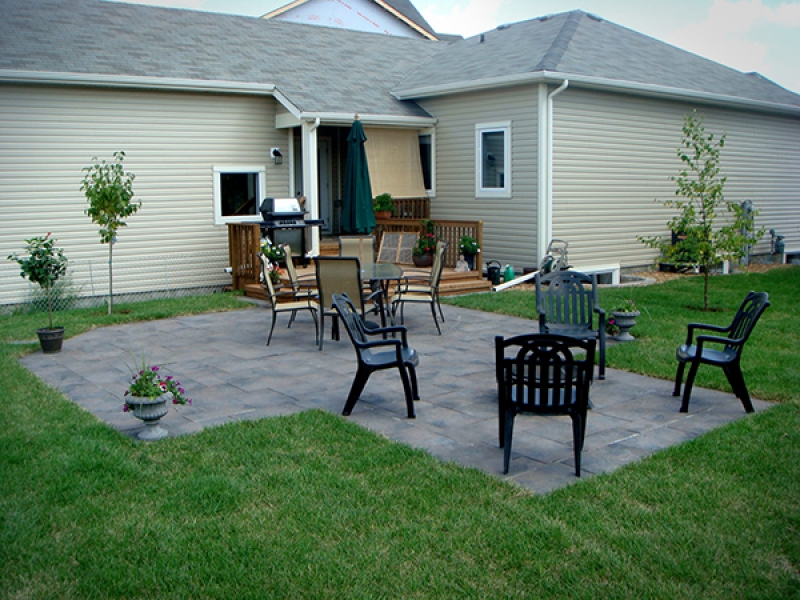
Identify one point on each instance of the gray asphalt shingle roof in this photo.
(321, 69)
(576, 43)
(316, 68)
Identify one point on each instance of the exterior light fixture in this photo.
(277, 156)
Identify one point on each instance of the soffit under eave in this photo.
(285, 120)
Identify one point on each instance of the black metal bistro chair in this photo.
(728, 357)
(545, 374)
(383, 353)
(568, 304)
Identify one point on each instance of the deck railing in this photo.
(411, 208)
(244, 243)
(449, 230)
(244, 246)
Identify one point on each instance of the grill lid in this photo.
(280, 208)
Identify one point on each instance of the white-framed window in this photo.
(493, 160)
(427, 156)
(238, 192)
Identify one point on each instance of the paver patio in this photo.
(222, 361)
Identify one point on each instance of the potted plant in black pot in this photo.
(44, 265)
(469, 247)
(422, 253)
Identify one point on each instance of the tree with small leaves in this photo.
(109, 190)
(701, 204)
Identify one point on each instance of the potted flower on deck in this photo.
(426, 244)
(275, 254)
(469, 247)
(44, 265)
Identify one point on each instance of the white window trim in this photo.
(262, 186)
(480, 191)
(431, 132)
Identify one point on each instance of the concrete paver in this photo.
(222, 361)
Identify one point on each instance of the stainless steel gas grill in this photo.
(285, 213)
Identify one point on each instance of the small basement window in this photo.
(238, 191)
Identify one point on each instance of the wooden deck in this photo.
(452, 284)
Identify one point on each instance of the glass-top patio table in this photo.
(382, 275)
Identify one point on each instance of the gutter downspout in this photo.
(311, 179)
(544, 225)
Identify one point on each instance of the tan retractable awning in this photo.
(394, 162)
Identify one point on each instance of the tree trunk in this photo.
(49, 304)
(110, 278)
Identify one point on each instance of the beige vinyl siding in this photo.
(509, 228)
(172, 142)
(614, 156)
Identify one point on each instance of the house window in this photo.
(493, 160)
(238, 191)
(426, 154)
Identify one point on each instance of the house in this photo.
(564, 126)
(390, 17)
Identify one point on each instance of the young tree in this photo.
(109, 191)
(44, 265)
(701, 239)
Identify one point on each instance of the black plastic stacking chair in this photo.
(377, 355)
(568, 304)
(728, 357)
(546, 375)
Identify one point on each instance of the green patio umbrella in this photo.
(358, 214)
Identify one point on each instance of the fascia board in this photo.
(331, 118)
(401, 17)
(598, 83)
(283, 9)
(136, 82)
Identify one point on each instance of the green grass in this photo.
(314, 506)
(770, 359)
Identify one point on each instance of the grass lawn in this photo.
(312, 505)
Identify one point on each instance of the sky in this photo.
(748, 35)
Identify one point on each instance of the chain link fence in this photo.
(85, 284)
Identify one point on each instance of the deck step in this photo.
(452, 284)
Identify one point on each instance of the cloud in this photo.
(725, 35)
(465, 18)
